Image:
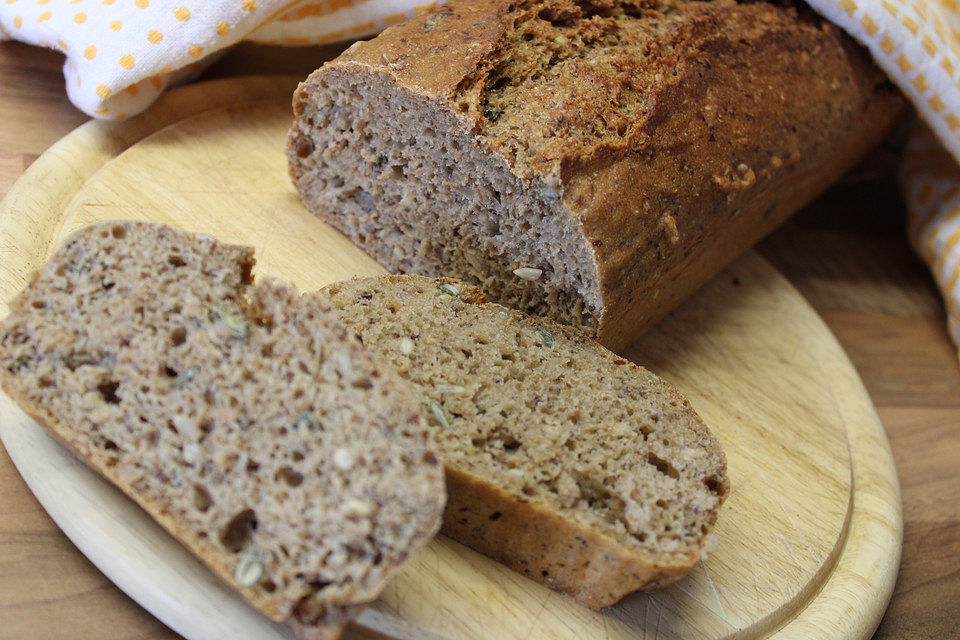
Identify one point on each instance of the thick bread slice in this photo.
(564, 461)
(242, 417)
(589, 160)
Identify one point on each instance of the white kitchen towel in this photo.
(122, 53)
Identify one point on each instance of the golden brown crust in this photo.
(779, 136)
(548, 546)
(204, 550)
(763, 107)
(464, 35)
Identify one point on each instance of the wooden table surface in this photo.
(846, 254)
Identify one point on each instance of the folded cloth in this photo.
(930, 183)
(122, 53)
(917, 42)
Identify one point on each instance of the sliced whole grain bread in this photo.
(566, 462)
(242, 417)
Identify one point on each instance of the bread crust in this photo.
(548, 547)
(763, 109)
(331, 621)
(204, 550)
(544, 542)
(330, 628)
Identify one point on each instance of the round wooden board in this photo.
(808, 542)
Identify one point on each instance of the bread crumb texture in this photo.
(545, 414)
(568, 156)
(241, 416)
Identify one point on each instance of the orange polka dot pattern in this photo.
(122, 55)
(917, 42)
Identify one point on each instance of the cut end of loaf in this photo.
(242, 417)
(539, 412)
(401, 176)
(593, 161)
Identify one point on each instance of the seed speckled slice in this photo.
(242, 417)
(566, 462)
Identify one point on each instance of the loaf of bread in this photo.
(589, 160)
(242, 417)
(564, 461)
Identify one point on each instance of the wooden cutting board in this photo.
(809, 540)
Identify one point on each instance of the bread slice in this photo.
(242, 417)
(594, 161)
(564, 461)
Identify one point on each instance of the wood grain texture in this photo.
(911, 364)
(209, 158)
(848, 244)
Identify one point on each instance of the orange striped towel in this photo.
(930, 182)
(917, 42)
